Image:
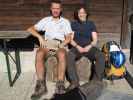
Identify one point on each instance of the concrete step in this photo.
(24, 87)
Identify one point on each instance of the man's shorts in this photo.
(54, 44)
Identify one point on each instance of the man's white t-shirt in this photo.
(54, 29)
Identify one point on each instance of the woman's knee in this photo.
(99, 53)
(102, 55)
(70, 56)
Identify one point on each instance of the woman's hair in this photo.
(76, 17)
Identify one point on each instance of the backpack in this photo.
(114, 61)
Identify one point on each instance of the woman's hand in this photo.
(80, 49)
(87, 48)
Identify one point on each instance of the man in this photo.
(84, 44)
(57, 30)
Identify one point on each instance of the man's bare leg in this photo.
(39, 62)
(61, 55)
(40, 87)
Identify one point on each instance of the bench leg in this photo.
(8, 69)
(18, 67)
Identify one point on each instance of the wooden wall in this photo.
(21, 14)
(107, 14)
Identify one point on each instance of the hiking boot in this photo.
(60, 87)
(40, 89)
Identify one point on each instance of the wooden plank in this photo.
(14, 34)
(70, 2)
(12, 20)
(8, 1)
(105, 37)
(13, 27)
(124, 25)
(37, 2)
(16, 11)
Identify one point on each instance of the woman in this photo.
(84, 44)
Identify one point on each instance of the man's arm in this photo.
(67, 39)
(33, 31)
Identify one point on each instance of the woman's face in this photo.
(82, 14)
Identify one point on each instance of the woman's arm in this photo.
(93, 43)
(74, 44)
(94, 39)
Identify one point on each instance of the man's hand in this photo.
(68, 39)
(42, 42)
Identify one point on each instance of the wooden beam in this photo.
(124, 24)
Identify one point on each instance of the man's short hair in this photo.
(56, 1)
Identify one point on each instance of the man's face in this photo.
(55, 10)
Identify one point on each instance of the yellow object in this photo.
(118, 72)
(110, 69)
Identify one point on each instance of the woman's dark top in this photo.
(83, 32)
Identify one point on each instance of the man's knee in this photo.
(41, 53)
(61, 54)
